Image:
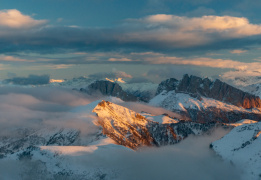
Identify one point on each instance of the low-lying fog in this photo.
(32, 107)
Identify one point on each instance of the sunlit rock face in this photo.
(108, 88)
(133, 130)
(196, 87)
(203, 100)
(203, 109)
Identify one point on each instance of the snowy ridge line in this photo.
(134, 130)
(242, 146)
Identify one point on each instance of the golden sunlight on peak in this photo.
(116, 80)
(56, 80)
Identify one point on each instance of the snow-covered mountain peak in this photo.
(107, 110)
(134, 130)
(182, 101)
(162, 119)
(198, 87)
(203, 109)
(242, 147)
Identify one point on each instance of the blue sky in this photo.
(70, 38)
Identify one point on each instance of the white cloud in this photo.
(115, 75)
(146, 54)
(231, 26)
(121, 74)
(181, 31)
(13, 59)
(238, 51)
(119, 59)
(242, 78)
(159, 18)
(60, 66)
(14, 19)
(207, 62)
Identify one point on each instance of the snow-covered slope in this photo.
(250, 83)
(59, 151)
(144, 91)
(253, 89)
(180, 101)
(67, 162)
(242, 146)
(202, 108)
(132, 87)
(133, 130)
(22, 138)
(162, 119)
(50, 152)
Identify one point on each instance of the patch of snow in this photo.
(180, 101)
(242, 122)
(242, 146)
(162, 119)
(80, 150)
(141, 87)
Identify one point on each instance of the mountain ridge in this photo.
(197, 87)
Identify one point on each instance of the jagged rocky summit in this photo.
(124, 126)
(202, 100)
(194, 86)
(197, 87)
(108, 88)
(196, 99)
(133, 130)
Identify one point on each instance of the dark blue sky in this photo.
(58, 36)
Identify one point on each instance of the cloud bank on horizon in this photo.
(160, 33)
(159, 39)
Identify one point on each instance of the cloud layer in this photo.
(155, 39)
(30, 80)
(114, 75)
(160, 32)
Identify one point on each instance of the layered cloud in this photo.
(112, 75)
(5, 58)
(238, 51)
(181, 32)
(155, 39)
(207, 62)
(158, 33)
(228, 25)
(30, 80)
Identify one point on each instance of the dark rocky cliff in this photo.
(196, 86)
(108, 88)
(132, 130)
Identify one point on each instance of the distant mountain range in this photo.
(200, 105)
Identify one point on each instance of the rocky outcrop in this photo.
(167, 85)
(108, 88)
(132, 130)
(196, 86)
(217, 115)
(25, 138)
